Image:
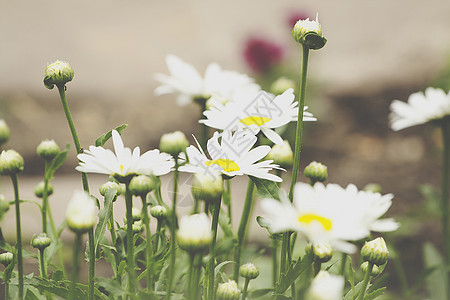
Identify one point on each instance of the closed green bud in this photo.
(11, 162)
(249, 271)
(5, 133)
(207, 186)
(58, 73)
(173, 143)
(104, 188)
(322, 251)
(375, 270)
(280, 85)
(309, 33)
(282, 155)
(316, 172)
(228, 291)
(6, 258)
(375, 251)
(47, 149)
(138, 227)
(40, 241)
(141, 185)
(39, 189)
(159, 212)
(136, 213)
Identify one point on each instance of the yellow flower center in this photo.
(254, 120)
(306, 219)
(121, 169)
(226, 164)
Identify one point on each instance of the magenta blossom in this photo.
(261, 55)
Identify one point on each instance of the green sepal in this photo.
(314, 40)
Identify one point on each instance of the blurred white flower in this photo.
(195, 233)
(421, 108)
(81, 213)
(186, 81)
(255, 110)
(330, 214)
(231, 157)
(326, 286)
(124, 162)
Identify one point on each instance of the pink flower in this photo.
(261, 55)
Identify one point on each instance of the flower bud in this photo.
(249, 271)
(136, 213)
(207, 186)
(375, 270)
(173, 143)
(316, 171)
(138, 227)
(6, 258)
(194, 234)
(81, 214)
(141, 185)
(58, 73)
(281, 155)
(159, 212)
(40, 241)
(104, 188)
(373, 187)
(326, 286)
(5, 133)
(47, 149)
(309, 33)
(375, 251)
(11, 162)
(322, 251)
(39, 189)
(228, 291)
(280, 85)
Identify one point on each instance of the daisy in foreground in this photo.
(330, 214)
(231, 157)
(255, 110)
(124, 163)
(421, 108)
(186, 81)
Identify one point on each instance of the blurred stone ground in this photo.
(377, 51)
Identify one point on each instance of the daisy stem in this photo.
(130, 244)
(112, 231)
(227, 198)
(173, 225)
(45, 199)
(19, 234)
(159, 235)
(274, 261)
(75, 265)
(76, 141)
(42, 270)
(244, 292)
(212, 248)
(343, 263)
(242, 228)
(148, 234)
(445, 192)
(365, 282)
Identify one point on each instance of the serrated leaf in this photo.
(294, 271)
(375, 294)
(101, 140)
(220, 267)
(104, 215)
(260, 292)
(266, 188)
(437, 280)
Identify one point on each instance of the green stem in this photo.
(299, 131)
(159, 235)
(243, 228)
(19, 234)
(75, 265)
(196, 275)
(42, 270)
(173, 225)
(343, 263)
(130, 244)
(45, 199)
(91, 263)
(365, 282)
(190, 288)
(148, 236)
(7, 290)
(227, 198)
(284, 251)
(244, 291)
(212, 248)
(59, 249)
(274, 261)
(445, 193)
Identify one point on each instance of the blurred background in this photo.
(377, 51)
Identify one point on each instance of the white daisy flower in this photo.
(124, 162)
(330, 214)
(81, 213)
(326, 286)
(255, 110)
(186, 81)
(421, 108)
(231, 157)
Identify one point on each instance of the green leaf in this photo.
(101, 140)
(220, 267)
(225, 224)
(294, 271)
(57, 162)
(436, 281)
(260, 292)
(103, 217)
(112, 286)
(375, 294)
(266, 188)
